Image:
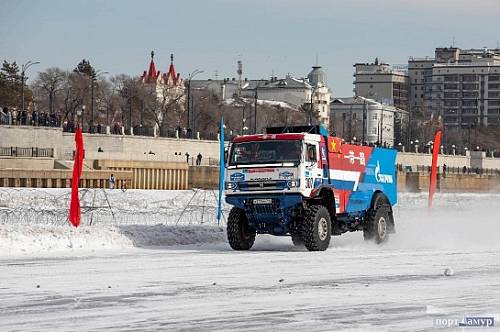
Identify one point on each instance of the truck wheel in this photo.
(297, 240)
(317, 228)
(240, 237)
(378, 225)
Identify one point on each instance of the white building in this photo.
(381, 82)
(363, 119)
(321, 94)
(296, 92)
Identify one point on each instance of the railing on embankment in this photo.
(61, 178)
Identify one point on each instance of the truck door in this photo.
(314, 173)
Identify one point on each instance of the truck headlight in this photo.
(231, 185)
(293, 183)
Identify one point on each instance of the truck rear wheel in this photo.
(378, 225)
(317, 228)
(240, 237)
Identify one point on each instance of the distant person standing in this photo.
(187, 157)
(198, 159)
(112, 182)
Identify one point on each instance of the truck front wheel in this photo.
(317, 228)
(239, 235)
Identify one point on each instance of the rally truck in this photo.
(304, 183)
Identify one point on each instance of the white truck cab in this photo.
(287, 163)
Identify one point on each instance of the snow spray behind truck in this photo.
(301, 182)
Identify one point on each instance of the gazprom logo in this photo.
(236, 177)
(382, 178)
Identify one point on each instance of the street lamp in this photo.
(190, 77)
(79, 114)
(256, 99)
(24, 68)
(311, 109)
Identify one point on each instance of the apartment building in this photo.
(462, 86)
(381, 82)
(466, 94)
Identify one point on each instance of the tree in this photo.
(74, 93)
(84, 67)
(50, 82)
(312, 114)
(10, 84)
(119, 86)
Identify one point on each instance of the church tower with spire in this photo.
(168, 86)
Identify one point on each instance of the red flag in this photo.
(435, 152)
(74, 208)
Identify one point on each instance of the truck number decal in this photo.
(309, 182)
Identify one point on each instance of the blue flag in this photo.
(221, 169)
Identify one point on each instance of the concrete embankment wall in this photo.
(119, 147)
(420, 159)
(417, 182)
(150, 174)
(27, 163)
(160, 163)
(116, 147)
(205, 177)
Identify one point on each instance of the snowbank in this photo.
(15, 239)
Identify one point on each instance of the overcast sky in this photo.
(269, 36)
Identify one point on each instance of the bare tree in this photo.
(74, 92)
(51, 82)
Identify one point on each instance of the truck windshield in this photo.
(265, 152)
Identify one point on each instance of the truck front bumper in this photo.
(268, 213)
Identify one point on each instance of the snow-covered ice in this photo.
(140, 271)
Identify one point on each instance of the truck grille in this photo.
(271, 208)
(260, 185)
(267, 208)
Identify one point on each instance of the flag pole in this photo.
(221, 169)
